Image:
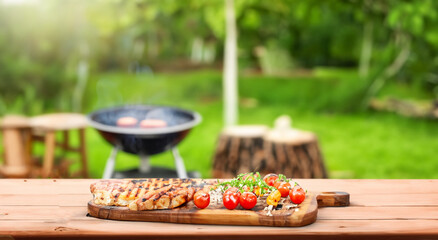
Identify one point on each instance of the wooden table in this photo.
(380, 209)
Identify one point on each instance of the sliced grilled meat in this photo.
(146, 194)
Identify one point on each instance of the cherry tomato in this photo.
(274, 198)
(297, 195)
(270, 179)
(284, 188)
(233, 190)
(201, 199)
(248, 200)
(231, 200)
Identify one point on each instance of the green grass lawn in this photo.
(355, 144)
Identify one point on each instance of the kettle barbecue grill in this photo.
(144, 142)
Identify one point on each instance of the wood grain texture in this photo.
(239, 150)
(216, 213)
(294, 153)
(379, 209)
(16, 155)
(333, 199)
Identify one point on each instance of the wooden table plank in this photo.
(45, 200)
(379, 208)
(328, 227)
(378, 213)
(32, 213)
(394, 199)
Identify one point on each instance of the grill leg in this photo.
(179, 163)
(145, 167)
(110, 163)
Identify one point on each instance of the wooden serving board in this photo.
(216, 213)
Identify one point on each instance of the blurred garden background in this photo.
(362, 75)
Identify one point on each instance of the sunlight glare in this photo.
(18, 2)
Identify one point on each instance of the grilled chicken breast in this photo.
(146, 194)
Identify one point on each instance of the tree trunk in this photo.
(367, 47)
(294, 153)
(230, 66)
(197, 49)
(82, 75)
(254, 148)
(239, 150)
(391, 70)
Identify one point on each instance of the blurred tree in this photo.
(49, 47)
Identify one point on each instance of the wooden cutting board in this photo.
(216, 213)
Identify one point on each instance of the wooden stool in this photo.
(44, 129)
(17, 147)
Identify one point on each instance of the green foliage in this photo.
(364, 145)
(42, 44)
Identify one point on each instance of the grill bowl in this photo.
(144, 141)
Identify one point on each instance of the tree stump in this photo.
(240, 149)
(294, 153)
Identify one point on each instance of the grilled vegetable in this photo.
(274, 198)
(253, 186)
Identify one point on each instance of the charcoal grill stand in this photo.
(145, 167)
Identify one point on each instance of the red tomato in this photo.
(277, 184)
(270, 179)
(248, 200)
(233, 190)
(284, 188)
(201, 199)
(231, 200)
(297, 195)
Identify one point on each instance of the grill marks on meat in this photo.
(146, 194)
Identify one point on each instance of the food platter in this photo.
(285, 213)
(303, 215)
